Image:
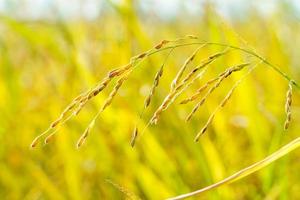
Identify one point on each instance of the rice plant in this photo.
(181, 82)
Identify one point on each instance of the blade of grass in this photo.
(246, 171)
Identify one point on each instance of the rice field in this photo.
(131, 106)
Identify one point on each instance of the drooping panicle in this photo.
(222, 104)
(220, 79)
(187, 80)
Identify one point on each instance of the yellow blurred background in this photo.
(50, 51)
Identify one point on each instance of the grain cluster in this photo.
(184, 78)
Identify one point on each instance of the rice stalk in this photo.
(196, 41)
(73, 109)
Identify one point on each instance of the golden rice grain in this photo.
(288, 105)
(203, 130)
(134, 136)
(191, 37)
(85, 134)
(161, 44)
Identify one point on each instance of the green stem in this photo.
(275, 68)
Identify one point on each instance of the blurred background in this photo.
(52, 50)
